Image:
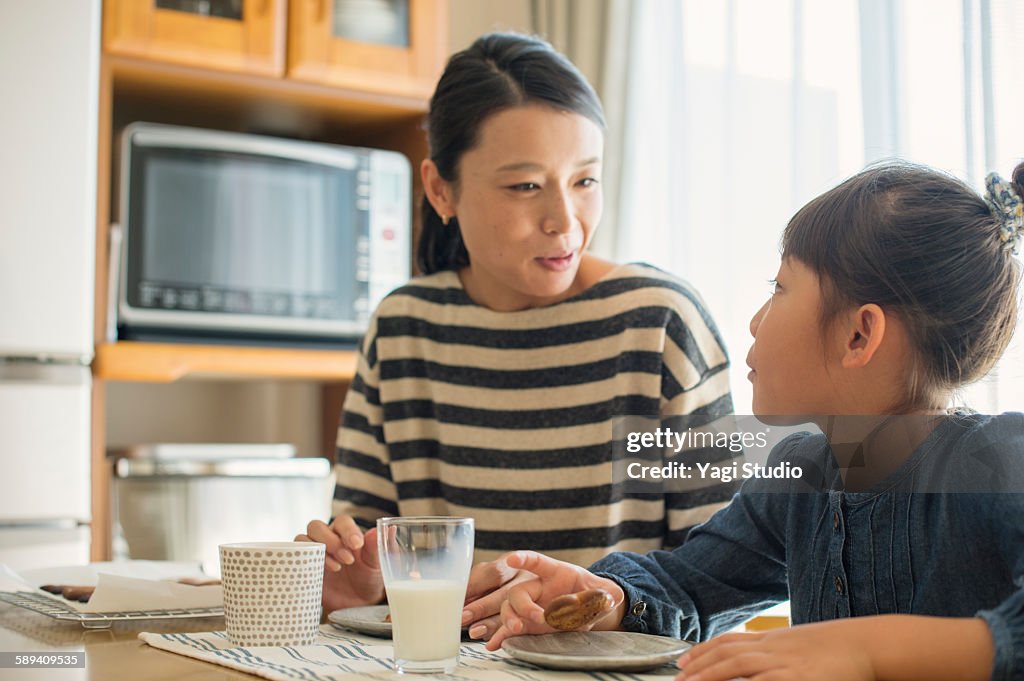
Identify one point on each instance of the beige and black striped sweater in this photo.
(508, 416)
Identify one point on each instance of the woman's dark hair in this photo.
(497, 72)
(926, 247)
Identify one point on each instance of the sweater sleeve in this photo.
(363, 485)
(695, 393)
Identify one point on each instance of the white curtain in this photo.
(731, 114)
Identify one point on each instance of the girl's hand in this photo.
(523, 610)
(352, 574)
(809, 652)
(489, 584)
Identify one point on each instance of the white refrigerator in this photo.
(49, 80)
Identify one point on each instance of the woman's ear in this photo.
(862, 336)
(437, 189)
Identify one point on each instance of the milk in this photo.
(426, 618)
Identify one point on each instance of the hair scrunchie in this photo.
(1008, 208)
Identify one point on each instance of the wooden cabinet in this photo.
(395, 47)
(235, 35)
(403, 51)
(176, 67)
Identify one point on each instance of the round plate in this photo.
(585, 650)
(367, 620)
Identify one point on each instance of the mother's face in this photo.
(528, 199)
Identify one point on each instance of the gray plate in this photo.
(587, 650)
(366, 620)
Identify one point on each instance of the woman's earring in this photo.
(444, 220)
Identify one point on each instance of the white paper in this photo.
(122, 586)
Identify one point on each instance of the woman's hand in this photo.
(522, 612)
(489, 584)
(352, 574)
(810, 652)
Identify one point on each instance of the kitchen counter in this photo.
(113, 654)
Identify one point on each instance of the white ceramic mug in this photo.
(272, 592)
(425, 561)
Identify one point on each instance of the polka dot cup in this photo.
(272, 592)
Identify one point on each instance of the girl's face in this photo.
(788, 359)
(527, 201)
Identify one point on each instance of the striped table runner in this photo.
(343, 655)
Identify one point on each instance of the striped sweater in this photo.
(507, 417)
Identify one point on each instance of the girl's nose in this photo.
(755, 321)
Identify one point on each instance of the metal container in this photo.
(182, 509)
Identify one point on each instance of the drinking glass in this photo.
(425, 561)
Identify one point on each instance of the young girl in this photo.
(896, 288)
(489, 387)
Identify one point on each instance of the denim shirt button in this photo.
(839, 586)
(639, 609)
(835, 520)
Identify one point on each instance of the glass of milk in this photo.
(426, 562)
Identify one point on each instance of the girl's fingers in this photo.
(703, 649)
(511, 620)
(521, 601)
(537, 563)
(490, 604)
(494, 642)
(743, 665)
(731, 647)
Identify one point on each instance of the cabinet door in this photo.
(393, 47)
(235, 35)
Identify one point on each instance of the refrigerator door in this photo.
(44, 443)
(49, 69)
(31, 547)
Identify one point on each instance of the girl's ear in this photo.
(863, 336)
(437, 189)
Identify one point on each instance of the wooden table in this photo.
(113, 654)
(117, 654)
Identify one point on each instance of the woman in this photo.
(491, 386)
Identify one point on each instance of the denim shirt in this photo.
(943, 535)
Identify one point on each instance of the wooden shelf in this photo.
(167, 362)
(258, 99)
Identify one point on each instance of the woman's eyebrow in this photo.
(530, 165)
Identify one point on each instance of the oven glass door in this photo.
(246, 241)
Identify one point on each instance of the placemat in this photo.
(340, 655)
